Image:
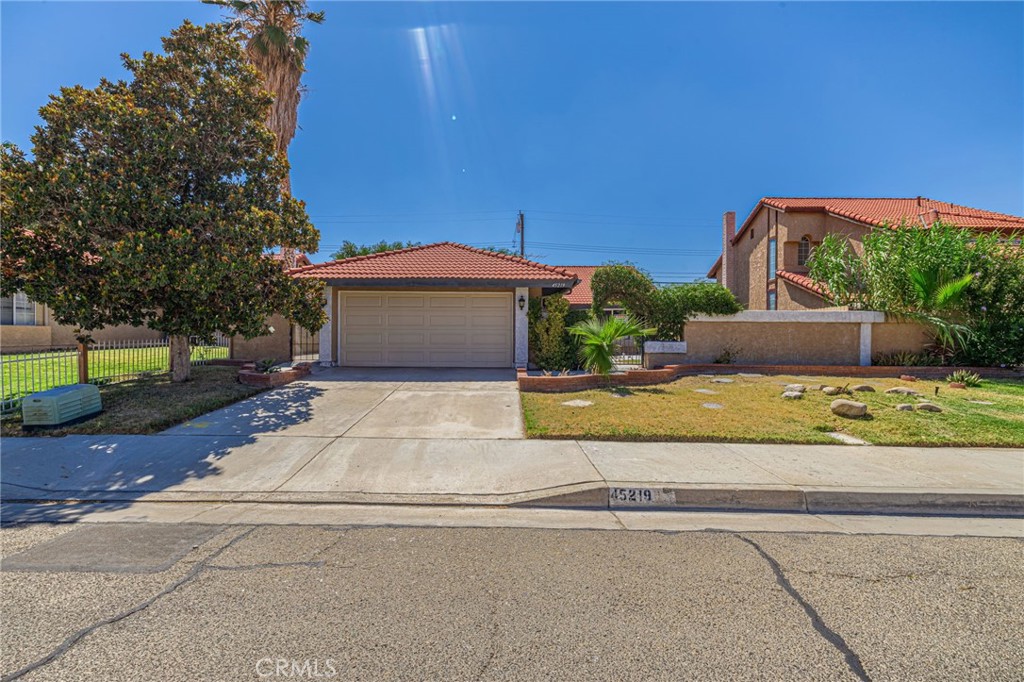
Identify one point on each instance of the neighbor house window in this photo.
(803, 251)
(773, 303)
(17, 309)
(772, 262)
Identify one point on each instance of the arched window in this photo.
(803, 250)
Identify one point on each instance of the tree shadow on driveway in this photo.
(172, 466)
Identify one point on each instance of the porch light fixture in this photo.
(522, 301)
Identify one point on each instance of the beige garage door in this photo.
(408, 329)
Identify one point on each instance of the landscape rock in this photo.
(901, 390)
(800, 388)
(577, 403)
(905, 407)
(848, 408)
(929, 407)
(831, 390)
(793, 395)
(722, 381)
(712, 406)
(957, 384)
(907, 377)
(705, 391)
(863, 388)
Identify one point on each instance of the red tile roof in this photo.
(441, 261)
(882, 211)
(803, 281)
(300, 258)
(581, 294)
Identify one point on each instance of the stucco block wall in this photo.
(792, 297)
(896, 337)
(276, 345)
(64, 335)
(17, 338)
(781, 343)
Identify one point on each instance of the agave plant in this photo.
(597, 340)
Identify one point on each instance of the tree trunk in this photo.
(287, 252)
(180, 361)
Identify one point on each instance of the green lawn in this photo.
(24, 373)
(752, 411)
(150, 404)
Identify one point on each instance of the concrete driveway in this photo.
(376, 403)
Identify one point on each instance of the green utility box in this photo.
(60, 405)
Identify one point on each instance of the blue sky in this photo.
(624, 128)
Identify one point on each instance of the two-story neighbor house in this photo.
(764, 263)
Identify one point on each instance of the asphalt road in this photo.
(161, 602)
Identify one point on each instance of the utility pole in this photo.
(521, 229)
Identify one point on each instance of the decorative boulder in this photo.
(722, 381)
(831, 390)
(905, 407)
(799, 388)
(907, 377)
(929, 407)
(863, 388)
(901, 390)
(848, 408)
(957, 384)
(793, 395)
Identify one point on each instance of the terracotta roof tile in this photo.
(882, 211)
(444, 260)
(803, 281)
(581, 294)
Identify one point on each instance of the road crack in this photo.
(831, 636)
(75, 638)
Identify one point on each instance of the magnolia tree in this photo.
(155, 200)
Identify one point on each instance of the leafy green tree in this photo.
(968, 288)
(598, 337)
(665, 308)
(351, 249)
(155, 200)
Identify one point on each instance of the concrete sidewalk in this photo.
(382, 471)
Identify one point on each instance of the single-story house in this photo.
(764, 263)
(438, 305)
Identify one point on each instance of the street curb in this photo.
(613, 495)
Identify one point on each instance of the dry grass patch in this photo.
(753, 411)
(151, 404)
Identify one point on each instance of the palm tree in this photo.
(271, 32)
(937, 295)
(598, 337)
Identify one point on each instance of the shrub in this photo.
(962, 376)
(906, 359)
(267, 366)
(968, 288)
(667, 308)
(552, 347)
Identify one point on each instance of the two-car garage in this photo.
(439, 305)
(425, 329)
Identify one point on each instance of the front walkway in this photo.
(376, 403)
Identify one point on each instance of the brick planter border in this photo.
(661, 375)
(251, 377)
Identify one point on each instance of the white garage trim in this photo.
(425, 328)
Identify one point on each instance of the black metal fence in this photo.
(305, 345)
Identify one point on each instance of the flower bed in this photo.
(645, 377)
(250, 377)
